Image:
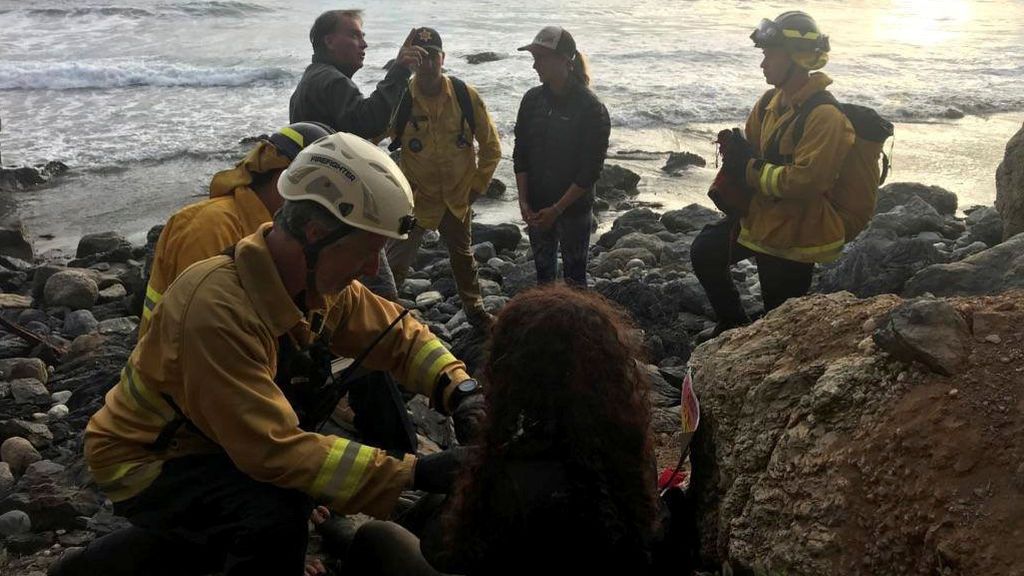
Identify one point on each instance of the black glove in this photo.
(467, 416)
(436, 472)
(737, 153)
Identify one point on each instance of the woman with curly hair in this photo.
(563, 479)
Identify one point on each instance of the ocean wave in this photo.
(73, 76)
(191, 9)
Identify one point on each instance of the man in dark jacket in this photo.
(326, 92)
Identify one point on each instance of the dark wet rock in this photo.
(617, 183)
(113, 293)
(19, 454)
(679, 161)
(689, 218)
(78, 322)
(430, 423)
(16, 264)
(99, 243)
(877, 262)
(25, 177)
(967, 251)
(37, 434)
(504, 237)
(28, 368)
(47, 495)
(30, 543)
(30, 391)
(496, 189)
(484, 251)
(900, 193)
(413, 287)
(12, 345)
(12, 281)
(14, 241)
(482, 57)
(73, 289)
(663, 394)
(6, 478)
(649, 242)
(639, 220)
(41, 275)
(521, 276)
(928, 331)
(15, 522)
(613, 261)
(1010, 186)
(995, 270)
(985, 225)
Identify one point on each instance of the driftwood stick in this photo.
(31, 336)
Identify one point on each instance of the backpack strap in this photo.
(465, 104)
(403, 113)
(799, 122)
(400, 118)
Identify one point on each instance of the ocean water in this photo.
(145, 100)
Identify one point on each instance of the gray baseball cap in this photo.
(553, 38)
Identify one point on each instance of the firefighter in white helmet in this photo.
(208, 443)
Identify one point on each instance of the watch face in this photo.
(467, 386)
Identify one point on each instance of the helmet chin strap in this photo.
(312, 252)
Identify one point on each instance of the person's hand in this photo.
(314, 567)
(410, 56)
(436, 472)
(737, 155)
(319, 515)
(545, 218)
(468, 416)
(526, 212)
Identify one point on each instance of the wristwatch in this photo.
(462, 390)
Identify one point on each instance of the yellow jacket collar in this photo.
(259, 277)
(261, 159)
(817, 82)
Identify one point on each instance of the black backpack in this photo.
(403, 113)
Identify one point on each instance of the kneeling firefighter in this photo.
(200, 448)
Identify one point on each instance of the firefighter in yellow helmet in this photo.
(790, 224)
(208, 446)
(241, 199)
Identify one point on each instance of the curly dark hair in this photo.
(564, 364)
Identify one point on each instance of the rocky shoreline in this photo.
(799, 405)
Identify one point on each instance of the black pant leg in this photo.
(254, 527)
(782, 279)
(713, 251)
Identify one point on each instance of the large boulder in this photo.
(900, 193)
(911, 218)
(100, 243)
(13, 240)
(636, 220)
(502, 236)
(19, 454)
(689, 218)
(617, 182)
(678, 162)
(995, 270)
(74, 289)
(1010, 186)
(984, 225)
(877, 262)
(819, 454)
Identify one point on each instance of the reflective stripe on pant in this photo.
(715, 249)
(571, 234)
(457, 235)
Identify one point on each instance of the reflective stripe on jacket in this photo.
(442, 170)
(791, 216)
(212, 348)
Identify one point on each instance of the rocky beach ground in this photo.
(871, 427)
